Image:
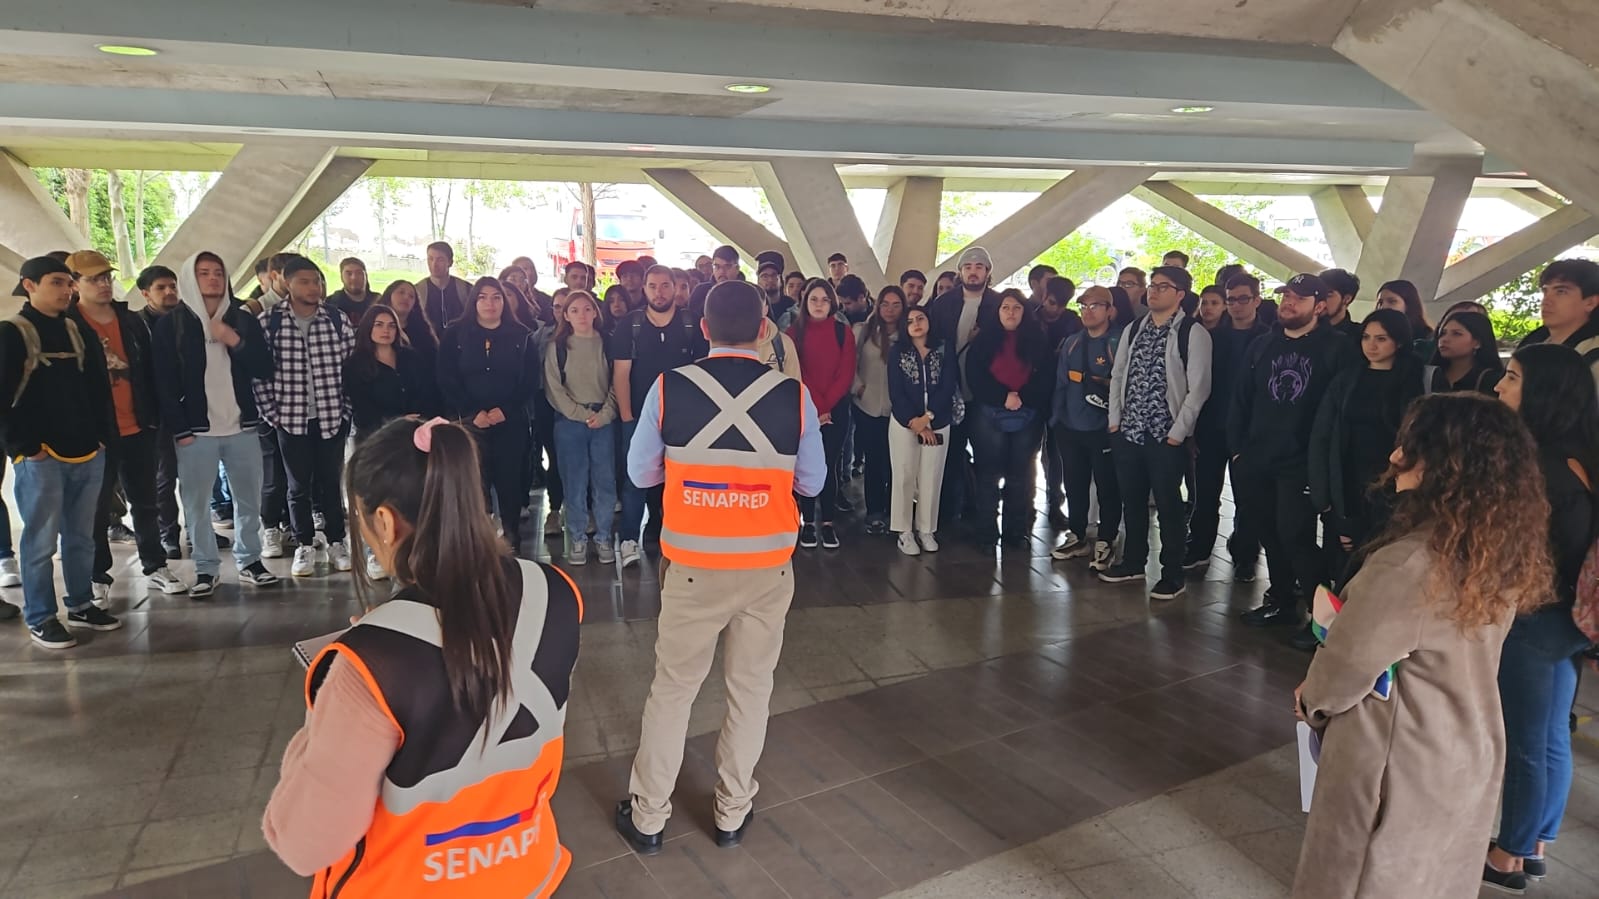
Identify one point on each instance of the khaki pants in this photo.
(697, 604)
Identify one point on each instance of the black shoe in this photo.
(8, 611)
(204, 586)
(52, 635)
(1057, 520)
(829, 537)
(1271, 614)
(1121, 573)
(1195, 561)
(1512, 882)
(727, 839)
(94, 618)
(1304, 639)
(1167, 588)
(642, 843)
(1535, 868)
(174, 553)
(1015, 541)
(224, 542)
(119, 533)
(807, 538)
(1243, 575)
(257, 575)
(876, 527)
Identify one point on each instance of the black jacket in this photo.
(482, 369)
(1227, 348)
(178, 346)
(1036, 394)
(141, 368)
(1573, 524)
(62, 407)
(1280, 386)
(944, 313)
(1330, 440)
(379, 393)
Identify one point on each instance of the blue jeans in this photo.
(588, 467)
(1537, 692)
(57, 501)
(634, 498)
(240, 454)
(221, 493)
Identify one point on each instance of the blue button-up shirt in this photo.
(646, 455)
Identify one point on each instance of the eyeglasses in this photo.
(1239, 301)
(1128, 285)
(102, 278)
(1158, 286)
(1095, 305)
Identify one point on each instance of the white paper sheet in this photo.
(1309, 760)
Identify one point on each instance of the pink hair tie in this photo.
(423, 438)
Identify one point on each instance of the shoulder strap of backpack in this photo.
(31, 353)
(1183, 331)
(779, 351)
(75, 337)
(838, 332)
(560, 360)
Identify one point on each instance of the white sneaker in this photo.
(10, 573)
(374, 571)
(102, 595)
(907, 544)
(272, 543)
(1104, 555)
(630, 553)
(604, 552)
(319, 522)
(164, 580)
(339, 555)
(579, 554)
(304, 562)
(929, 542)
(1071, 547)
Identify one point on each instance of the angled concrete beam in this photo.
(1500, 263)
(715, 214)
(1531, 200)
(31, 224)
(340, 175)
(1055, 213)
(810, 203)
(1346, 216)
(1416, 225)
(1509, 73)
(1240, 238)
(249, 204)
(907, 231)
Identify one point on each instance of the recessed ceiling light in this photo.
(125, 50)
(748, 88)
(642, 148)
(1193, 110)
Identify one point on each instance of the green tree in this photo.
(1154, 235)
(958, 214)
(153, 216)
(388, 198)
(1083, 258)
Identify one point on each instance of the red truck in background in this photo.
(618, 237)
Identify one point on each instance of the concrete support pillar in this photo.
(907, 231)
(1055, 213)
(1500, 263)
(340, 175)
(1346, 216)
(1531, 200)
(1415, 226)
(1240, 238)
(259, 193)
(810, 203)
(715, 214)
(1516, 76)
(31, 224)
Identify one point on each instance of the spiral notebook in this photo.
(307, 650)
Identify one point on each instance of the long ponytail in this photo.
(450, 554)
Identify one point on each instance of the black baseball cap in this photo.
(36, 269)
(1305, 285)
(771, 256)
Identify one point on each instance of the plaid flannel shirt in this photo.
(316, 360)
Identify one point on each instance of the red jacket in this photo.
(827, 365)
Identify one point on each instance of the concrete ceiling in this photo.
(932, 82)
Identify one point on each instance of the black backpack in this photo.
(1183, 330)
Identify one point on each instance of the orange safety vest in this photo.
(731, 441)
(464, 808)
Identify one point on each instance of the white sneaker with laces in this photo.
(928, 541)
(272, 543)
(908, 545)
(604, 552)
(339, 555)
(10, 573)
(579, 553)
(102, 595)
(374, 571)
(630, 553)
(304, 562)
(1104, 555)
(164, 580)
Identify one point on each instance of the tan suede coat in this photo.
(1407, 789)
